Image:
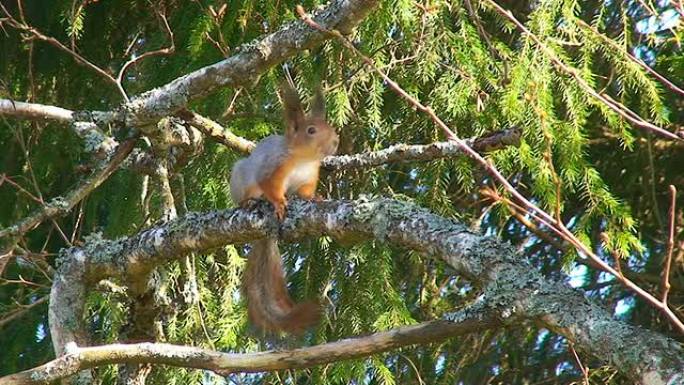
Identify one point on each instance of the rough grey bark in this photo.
(511, 287)
(248, 64)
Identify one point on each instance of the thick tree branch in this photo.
(511, 286)
(250, 61)
(224, 363)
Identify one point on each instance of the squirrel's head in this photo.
(308, 133)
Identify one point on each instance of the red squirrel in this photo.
(277, 166)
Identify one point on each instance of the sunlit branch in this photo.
(78, 358)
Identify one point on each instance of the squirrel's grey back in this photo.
(261, 163)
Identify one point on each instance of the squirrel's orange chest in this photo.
(300, 174)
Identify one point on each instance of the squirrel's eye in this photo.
(311, 130)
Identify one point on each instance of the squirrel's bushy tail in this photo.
(269, 304)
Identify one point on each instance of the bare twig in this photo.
(159, 52)
(678, 6)
(585, 370)
(22, 26)
(5, 178)
(670, 246)
(11, 316)
(22, 281)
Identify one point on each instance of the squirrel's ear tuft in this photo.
(318, 103)
(292, 106)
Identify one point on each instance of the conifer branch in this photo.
(166, 51)
(619, 109)
(665, 81)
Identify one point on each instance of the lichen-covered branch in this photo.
(67, 303)
(217, 132)
(224, 363)
(432, 151)
(247, 64)
(510, 285)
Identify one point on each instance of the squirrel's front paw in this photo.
(280, 210)
(249, 204)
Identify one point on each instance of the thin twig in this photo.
(62, 205)
(22, 281)
(585, 370)
(670, 246)
(14, 23)
(23, 309)
(159, 52)
(5, 178)
(616, 257)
